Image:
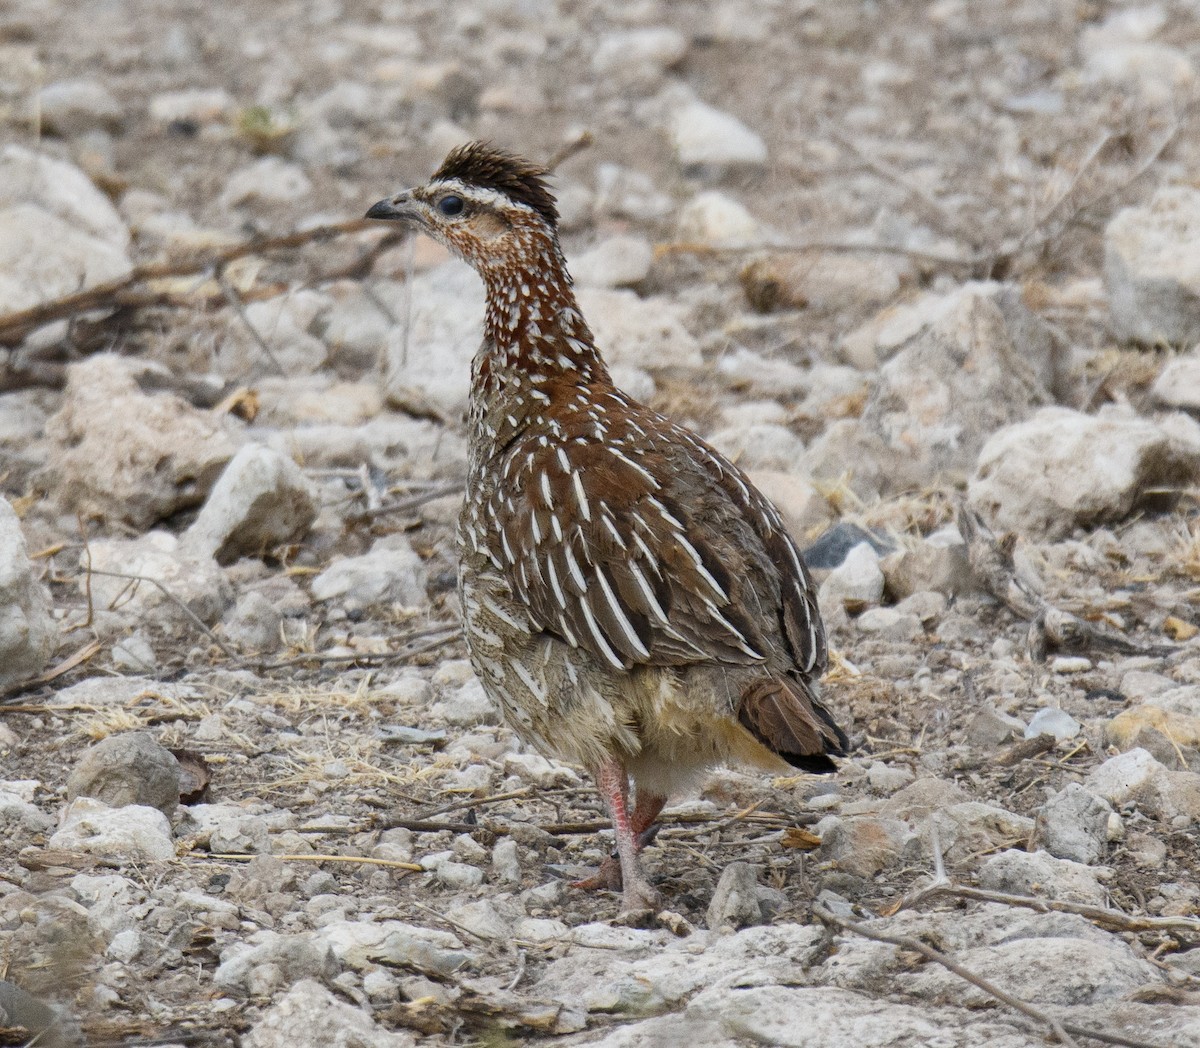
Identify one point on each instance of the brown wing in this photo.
(633, 539)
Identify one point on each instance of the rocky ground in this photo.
(928, 271)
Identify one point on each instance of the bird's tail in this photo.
(784, 714)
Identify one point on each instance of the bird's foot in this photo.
(607, 878)
(639, 903)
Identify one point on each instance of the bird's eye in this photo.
(450, 205)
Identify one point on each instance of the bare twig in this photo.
(361, 860)
(408, 503)
(1114, 920)
(1061, 1030)
(239, 307)
(1050, 626)
(123, 291)
(177, 601)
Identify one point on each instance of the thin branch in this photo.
(1113, 920)
(1062, 1030)
(177, 601)
(361, 860)
(239, 307)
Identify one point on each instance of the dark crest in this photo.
(482, 164)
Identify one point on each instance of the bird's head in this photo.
(483, 203)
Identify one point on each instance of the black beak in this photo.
(397, 207)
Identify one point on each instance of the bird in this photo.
(631, 602)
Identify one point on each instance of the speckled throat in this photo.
(536, 344)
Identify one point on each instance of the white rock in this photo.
(1062, 468)
(270, 180)
(365, 944)
(763, 445)
(42, 257)
(260, 501)
(134, 833)
(1126, 776)
(890, 623)
(254, 623)
(391, 573)
(459, 875)
(712, 217)
(19, 814)
(28, 632)
(962, 371)
(707, 137)
(63, 190)
(617, 261)
(1039, 873)
(1073, 824)
(638, 56)
(539, 770)
(429, 358)
(195, 580)
(1069, 664)
(309, 1016)
(1178, 384)
(130, 456)
(857, 580)
(506, 862)
(202, 105)
(644, 332)
(135, 653)
(1152, 268)
(1053, 721)
(467, 705)
(125, 945)
(286, 324)
(627, 193)
(71, 107)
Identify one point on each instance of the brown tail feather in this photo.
(787, 718)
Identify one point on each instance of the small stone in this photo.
(888, 778)
(760, 445)
(638, 56)
(310, 1016)
(890, 623)
(713, 218)
(125, 945)
(833, 546)
(391, 573)
(468, 705)
(1168, 725)
(1067, 664)
(506, 862)
(1053, 721)
(459, 875)
(365, 944)
(72, 107)
(1178, 384)
(649, 332)
(856, 582)
(28, 632)
(801, 504)
(944, 569)
(710, 139)
(198, 105)
(125, 455)
(135, 654)
(864, 847)
(539, 770)
(540, 929)
(991, 728)
(1073, 824)
(135, 833)
(254, 623)
(270, 180)
(738, 900)
(618, 261)
(1062, 469)
(131, 768)
(261, 500)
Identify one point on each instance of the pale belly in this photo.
(666, 725)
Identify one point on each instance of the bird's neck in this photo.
(536, 346)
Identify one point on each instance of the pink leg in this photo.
(614, 789)
(645, 811)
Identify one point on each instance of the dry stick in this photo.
(14, 326)
(450, 633)
(239, 307)
(175, 600)
(1061, 1030)
(1114, 920)
(363, 860)
(992, 563)
(409, 502)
